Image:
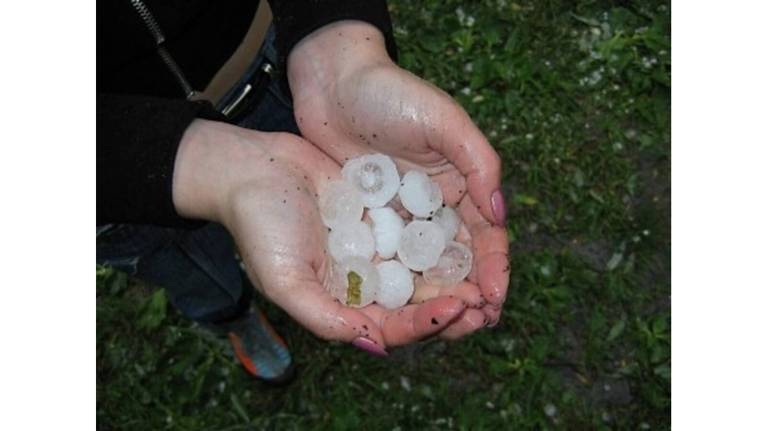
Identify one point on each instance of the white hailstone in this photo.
(448, 219)
(421, 245)
(351, 239)
(387, 229)
(375, 177)
(395, 284)
(355, 281)
(419, 194)
(453, 266)
(340, 203)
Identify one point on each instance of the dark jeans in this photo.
(197, 267)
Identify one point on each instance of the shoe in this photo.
(261, 351)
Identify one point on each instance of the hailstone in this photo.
(375, 177)
(355, 281)
(419, 194)
(351, 239)
(387, 230)
(421, 245)
(340, 203)
(395, 284)
(453, 266)
(448, 219)
(425, 244)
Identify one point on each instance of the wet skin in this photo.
(263, 187)
(351, 99)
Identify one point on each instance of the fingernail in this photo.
(498, 207)
(369, 346)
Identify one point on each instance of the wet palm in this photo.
(263, 187)
(353, 100)
(282, 240)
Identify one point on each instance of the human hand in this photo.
(263, 187)
(351, 99)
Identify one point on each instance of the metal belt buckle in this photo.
(257, 83)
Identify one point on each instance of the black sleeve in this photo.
(137, 137)
(295, 19)
(136, 142)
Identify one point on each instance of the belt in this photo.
(231, 73)
(251, 89)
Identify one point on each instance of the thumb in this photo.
(462, 143)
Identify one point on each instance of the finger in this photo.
(462, 143)
(490, 248)
(454, 186)
(492, 314)
(467, 292)
(469, 321)
(312, 306)
(415, 322)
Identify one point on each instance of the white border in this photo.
(47, 186)
(720, 215)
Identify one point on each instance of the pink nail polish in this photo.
(369, 346)
(498, 207)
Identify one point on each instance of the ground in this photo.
(575, 96)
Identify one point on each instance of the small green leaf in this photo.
(616, 330)
(527, 200)
(117, 282)
(111, 279)
(660, 325)
(663, 371)
(645, 140)
(658, 353)
(153, 311)
(596, 196)
(239, 408)
(588, 21)
(578, 178)
(614, 261)
(432, 44)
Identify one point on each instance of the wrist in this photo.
(213, 160)
(333, 52)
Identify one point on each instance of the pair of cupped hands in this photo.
(349, 99)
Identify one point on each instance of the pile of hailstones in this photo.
(424, 245)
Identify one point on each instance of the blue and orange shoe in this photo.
(262, 352)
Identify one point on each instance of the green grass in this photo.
(575, 96)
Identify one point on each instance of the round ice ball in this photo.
(453, 266)
(421, 245)
(351, 239)
(387, 229)
(340, 203)
(374, 176)
(395, 284)
(419, 194)
(355, 282)
(448, 219)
